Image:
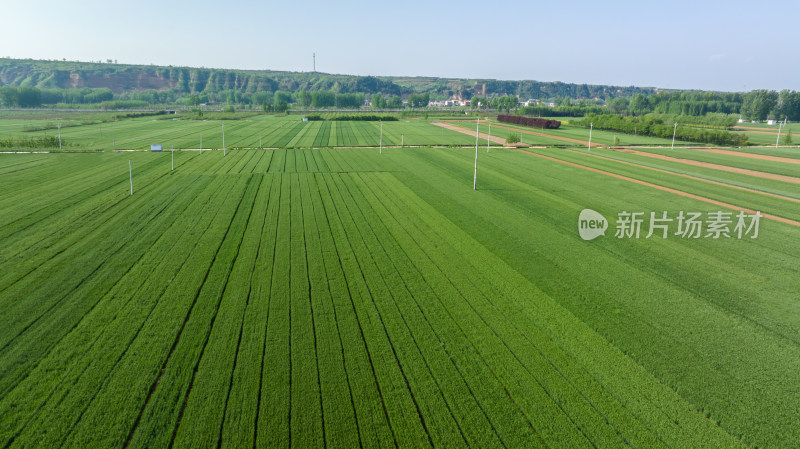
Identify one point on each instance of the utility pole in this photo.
(475, 176)
(223, 139)
(591, 126)
(675, 130)
(130, 168)
(380, 148)
(780, 125)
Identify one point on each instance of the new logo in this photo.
(591, 224)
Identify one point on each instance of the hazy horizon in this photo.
(687, 46)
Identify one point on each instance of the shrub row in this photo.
(654, 126)
(530, 121)
(355, 118)
(31, 142)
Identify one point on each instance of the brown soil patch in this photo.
(742, 171)
(666, 189)
(484, 136)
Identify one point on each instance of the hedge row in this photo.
(355, 118)
(654, 126)
(530, 121)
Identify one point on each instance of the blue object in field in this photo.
(156, 147)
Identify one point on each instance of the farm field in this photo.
(763, 134)
(786, 166)
(599, 137)
(253, 132)
(344, 298)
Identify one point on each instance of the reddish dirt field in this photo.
(763, 157)
(666, 189)
(743, 171)
(483, 136)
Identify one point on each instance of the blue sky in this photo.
(733, 45)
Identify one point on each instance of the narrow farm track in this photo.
(755, 130)
(346, 298)
(744, 171)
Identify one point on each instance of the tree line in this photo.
(651, 125)
(759, 104)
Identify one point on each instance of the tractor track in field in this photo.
(743, 171)
(665, 189)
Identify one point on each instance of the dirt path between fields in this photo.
(742, 171)
(484, 136)
(683, 175)
(751, 127)
(763, 157)
(752, 131)
(565, 139)
(665, 189)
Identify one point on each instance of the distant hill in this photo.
(124, 79)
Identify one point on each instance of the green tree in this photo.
(378, 102)
(395, 102)
(787, 138)
(282, 96)
(758, 104)
(8, 96)
(304, 98)
(280, 106)
(788, 105)
(639, 105)
(418, 100)
(618, 105)
(323, 99)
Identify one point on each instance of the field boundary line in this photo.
(684, 175)
(666, 189)
(743, 171)
(373, 186)
(763, 157)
